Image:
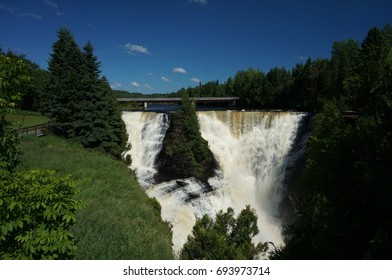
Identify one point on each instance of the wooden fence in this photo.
(38, 130)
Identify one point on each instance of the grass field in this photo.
(23, 119)
(118, 221)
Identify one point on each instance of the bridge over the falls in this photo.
(164, 100)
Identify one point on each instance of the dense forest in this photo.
(342, 195)
(353, 70)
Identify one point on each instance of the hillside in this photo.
(118, 221)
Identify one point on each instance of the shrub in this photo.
(36, 211)
(226, 238)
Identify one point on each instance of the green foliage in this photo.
(185, 153)
(369, 79)
(30, 92)
(248, 85)
(276, 86)
(344, 195)
(199, 146)
(343, 60)
(226, 238)
(36, 208)
(81, 104)
(9, 152)
(118, 220)
(12, 82)
(36, 212)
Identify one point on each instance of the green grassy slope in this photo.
(23, 119)
(119, 221)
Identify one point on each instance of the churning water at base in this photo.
(253, 151)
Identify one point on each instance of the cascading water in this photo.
(252, 149)
(146, 132)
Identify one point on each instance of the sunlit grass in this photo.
(119, 221)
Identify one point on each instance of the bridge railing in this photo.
(177, 99)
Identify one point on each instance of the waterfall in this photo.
(253, 150)
(146, 132)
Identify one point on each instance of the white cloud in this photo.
(31, 15)
(179, 70)
(165, 79)
(15, 11)
(10, 9)
(202, 2)
(116, 85)
(148, 86)
(135, 84)
(150, 74)
(301, 57)
(54, 6)
(135, 49)
(51, 3)
(195, 80)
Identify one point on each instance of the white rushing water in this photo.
(252, 150)
(146, 132)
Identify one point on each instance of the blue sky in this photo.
(160, 46)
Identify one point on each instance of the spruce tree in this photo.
(64, 82)
(98, 122)
(82, 104)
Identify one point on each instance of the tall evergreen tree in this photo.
(82, 104)
(64, 83)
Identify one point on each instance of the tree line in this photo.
(309, 84)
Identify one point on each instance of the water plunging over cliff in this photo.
(253, 152)
(146, 132)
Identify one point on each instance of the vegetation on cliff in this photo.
(184, 152)
(344, 196)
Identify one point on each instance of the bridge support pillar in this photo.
(145, 105)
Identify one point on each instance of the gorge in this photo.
(256, 152)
